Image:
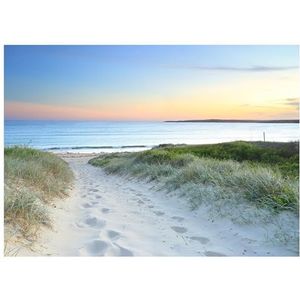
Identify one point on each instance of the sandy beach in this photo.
(109, 215)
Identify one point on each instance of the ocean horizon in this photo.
(114, 136)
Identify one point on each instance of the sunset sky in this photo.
(151, 82)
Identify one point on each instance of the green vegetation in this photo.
(32, 180)
(262, 175)
(282, 156)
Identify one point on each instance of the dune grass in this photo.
(229, 174)
(281, 156)
(32, 180)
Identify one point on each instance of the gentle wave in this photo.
(73, 136)
(95, 147)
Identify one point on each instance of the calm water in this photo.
(80, 136)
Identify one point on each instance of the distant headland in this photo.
(233, 121)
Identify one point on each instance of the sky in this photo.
(151, 82)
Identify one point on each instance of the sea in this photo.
(108, 136)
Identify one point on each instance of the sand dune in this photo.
(108, 215)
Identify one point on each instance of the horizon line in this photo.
(153, 120)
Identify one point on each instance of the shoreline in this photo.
(106, 150)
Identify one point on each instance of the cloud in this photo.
(236, 69)
(292, 101)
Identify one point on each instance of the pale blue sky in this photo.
(91, 75)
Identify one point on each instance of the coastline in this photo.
(234, 121)
(71, 136)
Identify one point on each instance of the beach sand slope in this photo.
(108, 215)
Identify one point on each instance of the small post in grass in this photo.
(264, 136)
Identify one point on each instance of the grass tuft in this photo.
(32, 179)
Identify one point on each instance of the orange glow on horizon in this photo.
(146, 111)
(246, 98)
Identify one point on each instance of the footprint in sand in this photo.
(202, 240)
(95, 248)
(179, 229)
(105, 210)
(159, 213)
(92, 222)
(113, 235)
(90, 204)
(98, 196)
(150, 206)
(93, 190)
(87, 205)
(140, 202)
(83, 196)
(212, 253)
(179, 219)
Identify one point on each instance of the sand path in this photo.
(113, 216)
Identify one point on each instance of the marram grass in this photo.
(205, 178)
(32, 179)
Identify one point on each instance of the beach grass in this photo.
(33, 179)
(245, 174)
